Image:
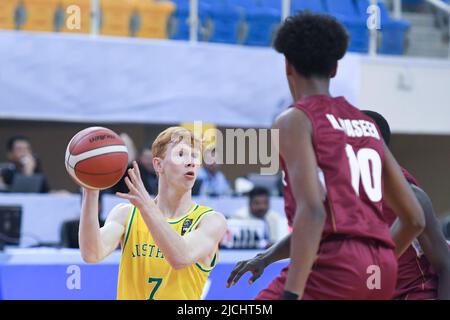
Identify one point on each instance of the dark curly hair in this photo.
(312, 43)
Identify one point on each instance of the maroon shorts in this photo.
(275, 289)
(345, 269)
(417, 288)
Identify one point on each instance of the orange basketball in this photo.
(96, 158)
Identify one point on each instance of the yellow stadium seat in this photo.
(7, 10)
(84, 15)
(154, 17)
(116, 17)
(40, 15)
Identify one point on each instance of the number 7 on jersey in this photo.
(156, 287)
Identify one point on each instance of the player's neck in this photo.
(311, 87)
(173, 202)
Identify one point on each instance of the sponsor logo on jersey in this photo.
(186, 224)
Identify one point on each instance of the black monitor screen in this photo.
(10, 221)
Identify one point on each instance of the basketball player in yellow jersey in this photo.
(169, 244)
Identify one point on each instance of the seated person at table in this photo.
(259, 209)
(23, 172)
(169, 243)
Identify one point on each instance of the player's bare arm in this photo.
(97, 243)
(257, 264)
(310, 215)
(434, 244)
(401, 199)
(197, 246)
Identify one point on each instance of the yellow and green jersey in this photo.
(144, 273)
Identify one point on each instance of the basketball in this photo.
(96, 158)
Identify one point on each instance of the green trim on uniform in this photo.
(203, 268)
(197, 221)
(208, 269)
(213, 262)
(129, 227)
(193, 208)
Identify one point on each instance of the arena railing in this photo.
(443, 6)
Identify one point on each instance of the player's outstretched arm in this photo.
(179, 251)
(434, 245)
(97, 243)
(256, 265)
(401, 199)
(297, 150)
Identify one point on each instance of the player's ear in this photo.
(157, 165)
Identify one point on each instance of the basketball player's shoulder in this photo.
(214, 220)
(120, 213)
(291, 117)
(123, 207)
(217, 216)
(205, 211)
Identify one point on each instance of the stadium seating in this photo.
(8, 9)
(179, 27)
(247, 22)
(348, 14)
(40, 15)
(116, 17)
(414, 1)
(393, 32)
(274, 5)
(260, 21)
(311, 5)
(153, 17)
(223, 21)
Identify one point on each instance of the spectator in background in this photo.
(148, 173)
(259, 208)
(22, 164)
(212, 181)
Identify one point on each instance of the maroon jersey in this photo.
(416, 279)
(350, 155)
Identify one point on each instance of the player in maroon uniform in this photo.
(341, 246)
(423, 270)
